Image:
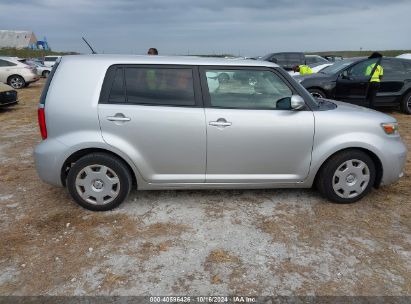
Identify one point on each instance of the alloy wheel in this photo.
(16, 82)
(316, 95)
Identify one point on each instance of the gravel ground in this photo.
(251, 242)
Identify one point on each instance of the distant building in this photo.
(20, 40)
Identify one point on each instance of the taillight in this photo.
(42, 122)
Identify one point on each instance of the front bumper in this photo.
(394, 162)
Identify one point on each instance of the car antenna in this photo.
(88, 44)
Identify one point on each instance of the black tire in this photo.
(16, 82)
(317, 93)
(45, 74)
(406, 104)
(112, 163)
(326, 179)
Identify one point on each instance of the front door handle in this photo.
(118, 117)
(220, 123)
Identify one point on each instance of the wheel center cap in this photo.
(350, 178)
(98, 184)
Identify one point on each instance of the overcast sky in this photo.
(239, 27)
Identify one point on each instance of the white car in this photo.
(404, 56)
(319, 67)
(49, 61)
(41, 69)
(315, 69)
(15, 73)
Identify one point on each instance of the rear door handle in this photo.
(118, 117)
(220, 123)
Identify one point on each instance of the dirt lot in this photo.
(254, 242)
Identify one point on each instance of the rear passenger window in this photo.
(159, 86)
(168, 86)
(392, 68)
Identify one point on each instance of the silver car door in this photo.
(155, 116)
(252, 133)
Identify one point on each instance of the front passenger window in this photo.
(247, 89)
(362, 69)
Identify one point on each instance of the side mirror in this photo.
(297, 102)
(274, 60)
(344, 75)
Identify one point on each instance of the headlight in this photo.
(390, 128)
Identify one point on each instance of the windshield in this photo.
(337, 67)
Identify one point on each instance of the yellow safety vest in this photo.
(305, 70)
(151, 79)
(379, 71)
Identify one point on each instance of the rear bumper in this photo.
(31, 78)
(394, 162)
(49, 161)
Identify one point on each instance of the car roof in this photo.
(178, 60)
(9, 58)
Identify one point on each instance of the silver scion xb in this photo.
(112, 122)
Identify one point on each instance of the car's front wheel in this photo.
(16, 82)
(45, 74)
(346, 177)
(406, 104)
(99, 181)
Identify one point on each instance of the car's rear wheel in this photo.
(45, 74)
(317, 93)
(99, 181)
(406, 104)
(346, 177)
(16, 82)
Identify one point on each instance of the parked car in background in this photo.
(286, 60)
(315, 68)
(315, 59)
(15, 73)
(8, 96)
(41, 69)
(404, 56)
(333, 58)
(49, 61)
(156, 123)
(347, 81)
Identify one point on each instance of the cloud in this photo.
(231, 26)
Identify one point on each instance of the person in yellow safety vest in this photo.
(303, 69)
(151, 74)
(376, 73)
